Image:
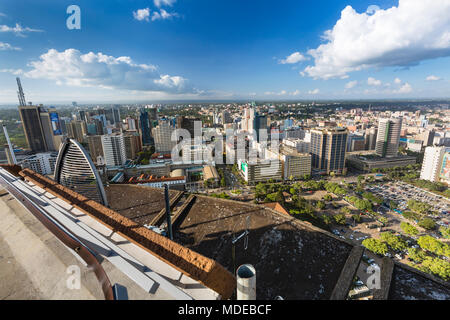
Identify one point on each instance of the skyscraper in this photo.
(162, 134)
(133, 145)
(388, 137)
(95, 147)
(74, 169)
(32, 126)
(328, 148)
(51, 128)
(144, 123)
(259, 125)
(114, 149)
(432, 163)
(187, 124)
(76, 129)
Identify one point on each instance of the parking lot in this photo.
(401, 193)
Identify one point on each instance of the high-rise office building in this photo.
(114, 149)
(226, 117)
(328, 148)
(162, 134)
(76, 129)
(131, 123)
(32, 126)
(145, 128)
(388, 137)
(75, 170)
(187, 124)
(259, 125)
(95, 147)
(133, 145)
(432, 163)
(370, 138)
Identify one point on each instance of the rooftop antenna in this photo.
(168, 217)
(20, 94)
(235, 239)
(11, 150)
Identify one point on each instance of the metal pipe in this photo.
(246, 282)
(168, 217)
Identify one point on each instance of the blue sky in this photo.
(234, 49)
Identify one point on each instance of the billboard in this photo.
(445, 169)
(56, 126)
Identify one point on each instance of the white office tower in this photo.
(42, 163)
(432, 163)
(388, 137)
(162, 135)
(114, 150)
(131, 124)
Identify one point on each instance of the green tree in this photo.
(427, 223)
(320, 205)
(433, 245)
(417, 255)
(445, 232)
(395, 242)
(409, 229)
(346, 210)
(437, 267)
(376, 246)
(339, 218)
(326, 219)
(356, 218)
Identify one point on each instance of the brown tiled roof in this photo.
(277, 207)
(205, 270)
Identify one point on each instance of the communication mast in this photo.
(20, 94)
(11, 149)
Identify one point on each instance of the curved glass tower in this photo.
(74, 169)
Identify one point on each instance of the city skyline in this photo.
(197, 50)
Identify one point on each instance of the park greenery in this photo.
(222, 195)
(409, 229)
(427, 223)
(433, 245)
(376, 246)
(361, 204)
(418, 206)
(396, 243)
(445, 232)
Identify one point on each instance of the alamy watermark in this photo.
(74, 20)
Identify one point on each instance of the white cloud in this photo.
(296, 92)
(416, 30)
(2, 14)
(72, 68)
(18, 30)
(406, 88)
(142, 14)
(163, 15)
(373, 82)
(160, 3)
(6, 46)
(271, 93)
(372, 9)
(397, 81)
(15, 72)
(296, 57)
(351, 84)
(433, 78)
(315, 91)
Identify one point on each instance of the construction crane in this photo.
(20, 93)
